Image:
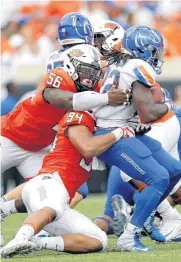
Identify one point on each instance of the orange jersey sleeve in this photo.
(56, 78)
(33, 123)
(64, 158)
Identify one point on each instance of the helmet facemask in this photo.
(86, 75)
(101, 42)
(156, 59)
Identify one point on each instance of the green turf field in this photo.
(93, 206)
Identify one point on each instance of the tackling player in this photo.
(29, 129)
(46, 196)
(73, 29)
(31, 126)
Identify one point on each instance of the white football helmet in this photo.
(82, 63)
(108, 37)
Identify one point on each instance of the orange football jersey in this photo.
(64, 158)
(33, 123)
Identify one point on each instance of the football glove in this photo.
(168, 99)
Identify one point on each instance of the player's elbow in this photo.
(89, 151)
(58, 98)
(148, 118)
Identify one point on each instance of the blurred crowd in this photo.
(29, 32)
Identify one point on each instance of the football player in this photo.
(108, 39)
(142, 156)
(29, 129)
(74, 28)
(171, 219)
(64, 170)
(23, 129)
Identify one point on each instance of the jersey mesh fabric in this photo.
(65, 159)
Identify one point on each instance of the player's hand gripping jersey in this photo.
(33, 123)
(64, 158)
(123, 75)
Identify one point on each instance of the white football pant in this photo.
(28, 163)
(49, 191)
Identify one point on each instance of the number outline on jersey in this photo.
(73, 115)
(54, 80)
(113, 75)
(54, 65)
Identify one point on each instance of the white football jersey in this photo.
(54, 60)
(123, 75)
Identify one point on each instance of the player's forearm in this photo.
(147, 110)
(58, 98)
(79, 101)
(88, 100)
(96, 145)
(156, 112)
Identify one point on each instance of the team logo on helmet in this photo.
(156, 39)
(111, 26)
(86, 27)
(63, 32)
(141, 41)
(76, 53)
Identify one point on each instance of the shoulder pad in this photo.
(78, 118)
(53, 55)
(143, 72)
(54, 60)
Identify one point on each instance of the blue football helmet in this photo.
(75, 28)
(145, 43)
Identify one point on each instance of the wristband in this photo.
(118, 133)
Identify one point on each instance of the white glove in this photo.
(120, 132)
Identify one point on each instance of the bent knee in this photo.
(101, 241)
(161, 185)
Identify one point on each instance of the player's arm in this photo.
(58, 92)
(147, 110)
(59, 98)
(89, 145)
(85, 100)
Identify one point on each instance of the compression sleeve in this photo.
(88, 100)
(83, 190)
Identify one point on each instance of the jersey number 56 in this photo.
(54, 80)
